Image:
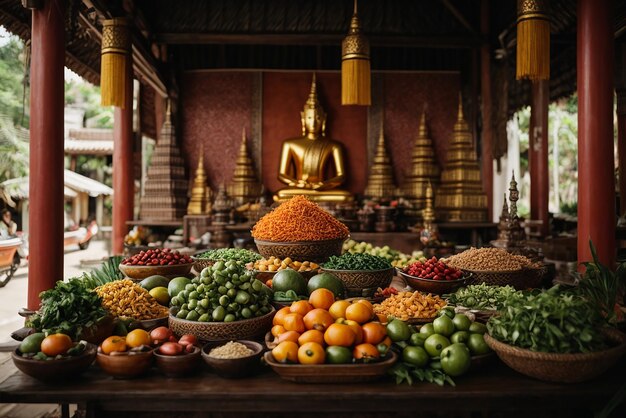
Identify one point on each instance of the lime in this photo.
(338, 355)
(460, 337)
(32, 343)
(398, 330)
(161, 295)
(461, 322)
(418, 339)
(435, 343)
(289, 279)
(415, 355)
(427, 330)
(477, 344)
(326, 281)
(477, 328)
(443, 325)
(151, 282)
(455, 359)
(177, 285)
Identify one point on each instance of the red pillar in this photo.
(45, 220)
(620, 89)
(123, 174)
(596, 181)
(487, 133)
(538, 155)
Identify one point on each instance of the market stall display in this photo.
(432, 276)
(360, 273)
(163, 262)
(209, 257)
(411, 306)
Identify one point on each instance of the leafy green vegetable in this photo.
(357, 261)
(481, 296)
(238, 254)
(108, 272)
(405, 372)
(69, 308)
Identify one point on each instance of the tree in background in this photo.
(13, 94)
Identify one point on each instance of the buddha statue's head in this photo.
(313, 117)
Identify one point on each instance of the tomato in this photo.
(338, 355)
(435, 343)
(477, 345)
(171, 349)
(461, 322)
(56, 344)
(311, 353)
(398, 330)
(415, 355)
(160, 335)
(455, 359)
(444, 326)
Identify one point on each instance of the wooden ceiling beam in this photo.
(459, 16)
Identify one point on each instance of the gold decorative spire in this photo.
(460, 196)
(380, 183)
(516, 230)
(424, 168)
(200, 202)
(244, 186)
(428, 214)
(311, 101)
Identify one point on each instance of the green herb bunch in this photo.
(69, 308)
(553, 321)
(237, 254)
(108, 272)
(481, 296)
(357, 261)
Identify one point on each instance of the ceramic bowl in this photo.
(178, 366)
(141, 272)
(438, 287)
(55, 371)
(127, 365)
(236, 367)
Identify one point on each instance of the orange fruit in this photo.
(339, 334)
(277, 330)
(366, 302)
(138, 337)
(374, 332)
(294, 322)
(56, 344)
(382, 318)
(311, 336)
(280, 316)
(289, 336)
(287, 351)
(301, 307)
(311, 353)
(356, 328)
(113, 343)
(338, 309)
(365, 352)
(318, 319)
(359, 312)
(322, 298)
(387, 342)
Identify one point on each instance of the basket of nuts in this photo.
(265, 268)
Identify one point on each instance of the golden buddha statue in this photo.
(304, 160)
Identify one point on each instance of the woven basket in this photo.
(563, 368)
(363, 283)
(217, 331)
(201, 264)
(317, 251)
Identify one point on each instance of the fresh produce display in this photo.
(386, 292)
(299, 219)
(276, 264)
(117, 345)
(410, 305)
(157, 257)
(289, 280)
(481, 296)
(326, 281)
(224, 292)
(553, 321)
(53, 347)
(489, 259)
(187, 344)
(226, 254)
(230, 350)
(356, 261)
(108, 272)
(322, 330)
(69, 308)
(438, 351)
(433, 269)
(124, 298)
(395, 257)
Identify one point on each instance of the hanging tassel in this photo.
(115, 54)
(533, 40)
(355, 66)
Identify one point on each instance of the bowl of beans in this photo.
(162, 262)
(233, 359)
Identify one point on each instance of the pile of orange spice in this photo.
(299, 219)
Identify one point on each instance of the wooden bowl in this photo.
(99, 332)
(363, 283)
(316, 251)
(55, 371)
(141, 272)
(125, 366)
(438, 287)
(236, 367)
(220, 331)
(178, 366)
(562, 368)
(149, 324)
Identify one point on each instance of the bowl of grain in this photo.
(233, 359)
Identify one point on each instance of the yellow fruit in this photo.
(338, 309)
(161, 295)
(138, 337)
(311, 353)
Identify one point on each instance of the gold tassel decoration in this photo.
(355, 66)
(533, 40)
(115, 57)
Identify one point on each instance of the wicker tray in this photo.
(563, 368)
(316, 251)
(247, 329)
(331, 373)
(363, 283)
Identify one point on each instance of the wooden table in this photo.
(493, 391)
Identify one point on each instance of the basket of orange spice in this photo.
(324, 340)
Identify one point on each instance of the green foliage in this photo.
(87, 97)
(14, 149)
(13, 97)
(108, 272)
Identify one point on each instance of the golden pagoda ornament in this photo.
(460, 197)
(424, 168)
(504, 228)
(244, 187)
(200, 202)
(380, 183)
(515, 227)
(428, 231)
